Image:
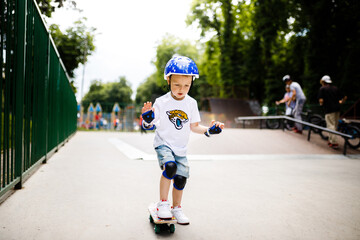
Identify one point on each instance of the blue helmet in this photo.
(180, 65)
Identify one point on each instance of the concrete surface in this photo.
(256, 184)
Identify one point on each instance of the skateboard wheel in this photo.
(157, 229)
(151, 219)
(172, 228)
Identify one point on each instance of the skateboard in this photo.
(160, 224)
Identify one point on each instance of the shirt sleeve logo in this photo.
(178, 118)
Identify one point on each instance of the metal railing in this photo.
(282, 118)
(38, 105)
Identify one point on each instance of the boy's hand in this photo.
(148, 112)
(148, 116)
(147, 107)
(215, 128)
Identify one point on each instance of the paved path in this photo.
(244, 184)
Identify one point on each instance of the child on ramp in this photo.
(175, 115)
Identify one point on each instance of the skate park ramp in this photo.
(226, 110)
(244, 184)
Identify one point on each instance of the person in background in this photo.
(299, 97)
(330, 97)
(289, 108)
(287, 97)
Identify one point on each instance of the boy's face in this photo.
(180, 85)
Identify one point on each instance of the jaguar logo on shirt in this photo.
(178, 118)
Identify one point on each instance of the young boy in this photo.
(175, 114)
(287, 97)
(298, 96)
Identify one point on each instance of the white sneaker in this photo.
(180, 216)
(163, 210)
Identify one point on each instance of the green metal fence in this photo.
(38, 105)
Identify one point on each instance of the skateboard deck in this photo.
(160, 224)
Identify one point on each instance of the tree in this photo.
(47, 7)
(95, 94)
(221, 20)
(119, 91)
(108, 94)
(251, 45)
(75, 45)
(270, 25)
(149, 90)
(166, 49)
(155, 85)
(331, 36)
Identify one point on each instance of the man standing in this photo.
(330, 97)
(299, 97)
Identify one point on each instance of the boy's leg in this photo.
(179, 185)
(168, 165)
(164, 188)
(163, 206)
(177, 196)
(180, 179)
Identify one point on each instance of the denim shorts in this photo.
(165, 154)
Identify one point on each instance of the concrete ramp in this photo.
(244, 184)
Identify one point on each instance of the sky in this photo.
(127, 34)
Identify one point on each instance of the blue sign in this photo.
(91, 108)
(116, 108)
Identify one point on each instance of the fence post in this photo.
(309, 133)
(20, 79)
(47, 90)
(345, 146)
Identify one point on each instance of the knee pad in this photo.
(170, 170)
(179, 182)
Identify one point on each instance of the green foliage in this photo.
(107, 94)
(228, 26)
(169, 46)
(155, 85)
(47, 7)
(270, 22)
(149, 90)
(331, 30)
(209, 68)
(75, 45)
(250, 45)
